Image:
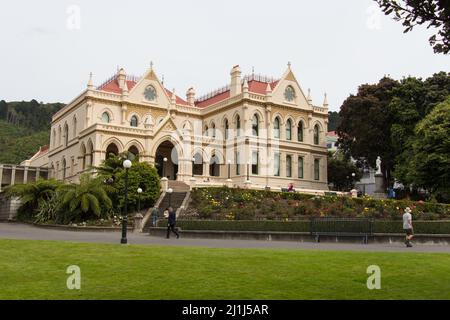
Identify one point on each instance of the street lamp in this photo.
(229, 169)
(193, 163)
(139, 191)
(126, 165)
(169, 191)
(164, 167)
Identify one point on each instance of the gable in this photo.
(278, 94)
(136, 94)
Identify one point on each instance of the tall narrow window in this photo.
(276, 128)
(289, 129)
(226, 127)
(276, 164)
(213, 130)
(288, 166)
(300, 167)
(238, 163)
(206, 131)
(300, 131)
(255, 162)
(316, 169)
(255, 125)
(238, 125)
(74, 127)
(105, 117)
(64, 169)
(66, 134)
(316, 134)
(134, 121)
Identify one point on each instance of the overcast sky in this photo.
(48, 50)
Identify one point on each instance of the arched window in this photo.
(206, 131)
(300, 167)
(214, 166)
(83, 157)
(105, 117)
(289, 129)
(134, 121)
(276, 164)
(74, 126)
(64, 169)
(59, 136)
(226, 127)
(54, 137)
(288, 166)
(316, 169)
(213, 130)
(300, 131)
(255, 125)
(66, 134)
(276, 128)
(133, 152)
(238, 125)
(316, 134)
(198, 164)
(112, 150)
(255, 162)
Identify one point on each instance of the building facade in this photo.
(255, 132)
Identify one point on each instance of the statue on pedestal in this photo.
(378, 162)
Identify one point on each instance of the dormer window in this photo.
(289, 94)
(150, 93)
(105, 117)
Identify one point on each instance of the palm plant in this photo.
(84, 200)
(33, 195)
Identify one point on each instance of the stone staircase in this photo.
(180, 190)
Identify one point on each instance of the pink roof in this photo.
(332, 133)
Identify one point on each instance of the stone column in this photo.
(138, 222)
(13, 175)
(25, 175)
(38, 171)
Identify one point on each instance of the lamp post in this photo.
(123, 240)
(164, 166)
(139, 191)
(169, 191)
(193, 163)
(229, 169)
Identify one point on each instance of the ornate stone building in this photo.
(255, 132)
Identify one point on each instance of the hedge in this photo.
(380, 226)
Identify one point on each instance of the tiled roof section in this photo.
(256, 84)
(332, 134)
(179, 100)
(42, 151)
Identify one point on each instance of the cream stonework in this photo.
(255, 132)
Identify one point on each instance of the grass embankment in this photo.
(37, 270)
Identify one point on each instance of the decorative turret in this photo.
(173, 98)
(308, 98)
(190, 96)
(325, 101)
(90, 85)
(122, 79)
(235, 85)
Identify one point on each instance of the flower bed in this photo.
(241, 204)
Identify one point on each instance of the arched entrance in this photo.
(169, 168)
(112, 150)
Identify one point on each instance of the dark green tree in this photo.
(340, 172)
(333, 120)
(434, 13)
(364, 132)
(429, 165)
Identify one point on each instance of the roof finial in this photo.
(325, 100)
(90, 85)
(151, 65)
(162, 79)
(289, 64)
(309, 96)
(253, 70)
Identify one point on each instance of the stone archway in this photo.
(169, 168)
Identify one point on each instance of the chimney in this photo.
(235, 86)
(190, 96)
(121, 79)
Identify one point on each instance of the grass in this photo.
(37, 270)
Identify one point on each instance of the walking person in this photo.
(155, 216)
(171, 223)
(408, 227)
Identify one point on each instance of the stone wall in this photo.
(8, 207)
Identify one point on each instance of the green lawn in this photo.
(37, 270)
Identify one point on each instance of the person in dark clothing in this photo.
(171, 223)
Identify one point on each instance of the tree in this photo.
(333, 120)
(86, 200)
(340, 172)
(430, 156)
(33, 195)
(364, 132)
(140, 175)
(411, 13)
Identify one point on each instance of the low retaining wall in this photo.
(439, 239)
(77, 228)
(8, 207)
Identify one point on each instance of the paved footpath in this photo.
(29, 232)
